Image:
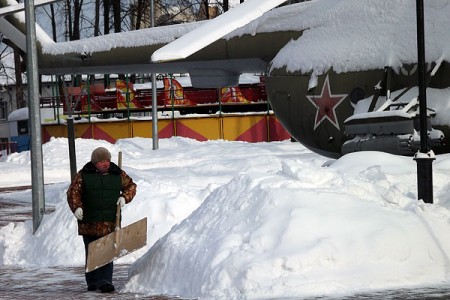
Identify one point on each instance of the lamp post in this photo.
(37, 168)
(155, 137)
(425, 157)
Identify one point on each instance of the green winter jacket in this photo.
(100, 193)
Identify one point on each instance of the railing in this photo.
(186, 100)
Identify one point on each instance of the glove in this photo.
(79, 213)
(121, 201)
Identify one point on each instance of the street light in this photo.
(425, 156)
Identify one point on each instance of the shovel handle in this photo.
(116, 240)
(118, 217)
(118, 207)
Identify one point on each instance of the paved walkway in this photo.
(60, 283)
(57, 282)
(16, 211)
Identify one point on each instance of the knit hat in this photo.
(100, 154)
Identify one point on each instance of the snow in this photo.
(18, 114)
(364, 35)
(136, 38)
(236, 220)
(438, 99)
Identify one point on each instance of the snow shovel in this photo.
(116, 244)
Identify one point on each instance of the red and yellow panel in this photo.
(248, 128)
(201, 129)
(277, 131)
(251, 128)
(144, 129)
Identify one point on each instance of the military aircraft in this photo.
(341, 75)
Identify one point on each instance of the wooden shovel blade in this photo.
(116, 244)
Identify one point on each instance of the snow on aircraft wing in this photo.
(215, 29)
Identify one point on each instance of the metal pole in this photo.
(37, 170)
(72, 151)
(155, 138)
(425, 158)
(154, 114)
(70, 131)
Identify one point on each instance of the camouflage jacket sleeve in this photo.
(74, 193)
(128, 187)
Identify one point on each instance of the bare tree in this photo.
(106, 9)
(117, 17)
(76, 20)
(205, 8)
(18, 69)
(97, 18)
(53, 21)
(139, 14)
(68, 8)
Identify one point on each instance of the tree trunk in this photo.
(69, 19)
(53, 21)
(139, 14)
(117, 18)
(106, 6)
(205, 5)
(18, 68)
(97, 18)
(76, 19)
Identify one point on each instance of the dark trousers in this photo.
(101, 275)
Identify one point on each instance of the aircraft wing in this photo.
(218, 64)
(214, 30)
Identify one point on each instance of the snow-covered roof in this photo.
(18, 115)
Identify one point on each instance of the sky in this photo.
(236, 220)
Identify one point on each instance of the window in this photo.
(22, 127)
(3, 110)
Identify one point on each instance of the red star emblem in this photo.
(326, 104)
